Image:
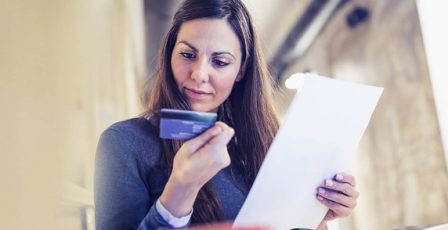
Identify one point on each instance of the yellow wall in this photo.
(67, 71)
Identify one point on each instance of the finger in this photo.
(337, 197)
(345, 177)
(196, 143)
(343, 187)
(338, 209)
(215, 151)
(224, 137)
(217, 143)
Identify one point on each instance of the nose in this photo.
(199, 71)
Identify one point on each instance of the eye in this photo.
(219, 63)
(188, 55)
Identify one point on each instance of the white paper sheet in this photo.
(318, 138)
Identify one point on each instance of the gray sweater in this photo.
(130, 176)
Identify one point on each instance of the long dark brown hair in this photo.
(248, 109)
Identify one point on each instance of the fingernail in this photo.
(216, 130)
(339, 177)
(329, 183)
(321, 191)
(320, 198)
(232, 131)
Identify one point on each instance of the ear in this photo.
(239, 77)
(241, 73)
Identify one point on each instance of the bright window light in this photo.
(295, 81)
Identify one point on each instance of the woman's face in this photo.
(206, 62)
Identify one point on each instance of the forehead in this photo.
(210, 35)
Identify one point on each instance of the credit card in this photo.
(184, 124)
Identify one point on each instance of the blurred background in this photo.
(69, 69)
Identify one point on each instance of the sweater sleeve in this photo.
(121, 198)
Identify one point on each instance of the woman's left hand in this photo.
(339, 195)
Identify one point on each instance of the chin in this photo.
(203, 108)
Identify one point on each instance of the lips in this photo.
(197, 91)
(196, 94)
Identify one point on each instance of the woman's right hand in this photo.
(199, 159)
(195, 163)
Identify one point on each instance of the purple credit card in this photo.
(184, 124)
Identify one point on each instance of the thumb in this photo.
(196, 143)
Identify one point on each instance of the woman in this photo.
(210, 62)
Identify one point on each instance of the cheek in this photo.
(180, 70)
(224, 85)
(225, 80)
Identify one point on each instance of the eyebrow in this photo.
(196, 50)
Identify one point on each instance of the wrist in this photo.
(178, 197)
(180, 180)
